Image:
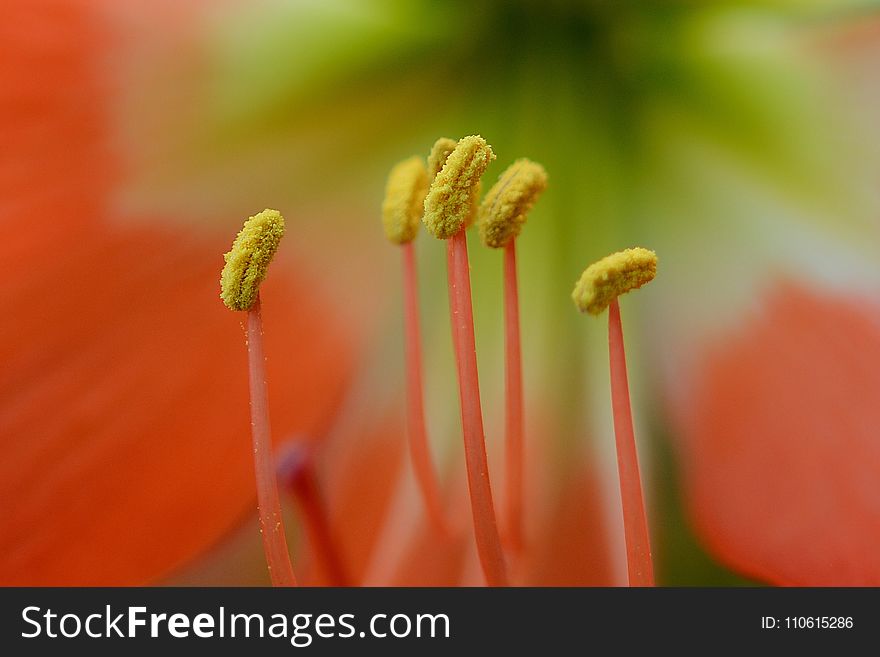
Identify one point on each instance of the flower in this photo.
(139, 134)
(123, 429)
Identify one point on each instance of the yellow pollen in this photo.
(249, 258)
(451, 198)
(507, 204)
(443, 147)
(613, 275)
(404, 200)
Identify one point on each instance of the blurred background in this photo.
(737, 139)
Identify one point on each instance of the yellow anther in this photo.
(613, 275)
(507, 204)
(450, 200)
(404, 200)
(441, 150)
(249, 258)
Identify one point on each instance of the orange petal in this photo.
(782, 457)
(570, 545)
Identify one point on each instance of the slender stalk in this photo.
(482, 508)
(635, 523)
(302, 482)
(513, 416)
(418, 440)
(271, 525)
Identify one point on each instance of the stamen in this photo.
(613, 275)
(610, 277)
(401, 212)
(404, 200)
(297, 471)
(245, 269)
(448, 207)
(450, 199)
(502, 215)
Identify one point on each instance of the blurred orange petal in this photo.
(570, 547)
(782, 457)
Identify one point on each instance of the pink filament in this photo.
(513, 401)
(482, 508)
(635, 523)
(418, 440)
(271, 525)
